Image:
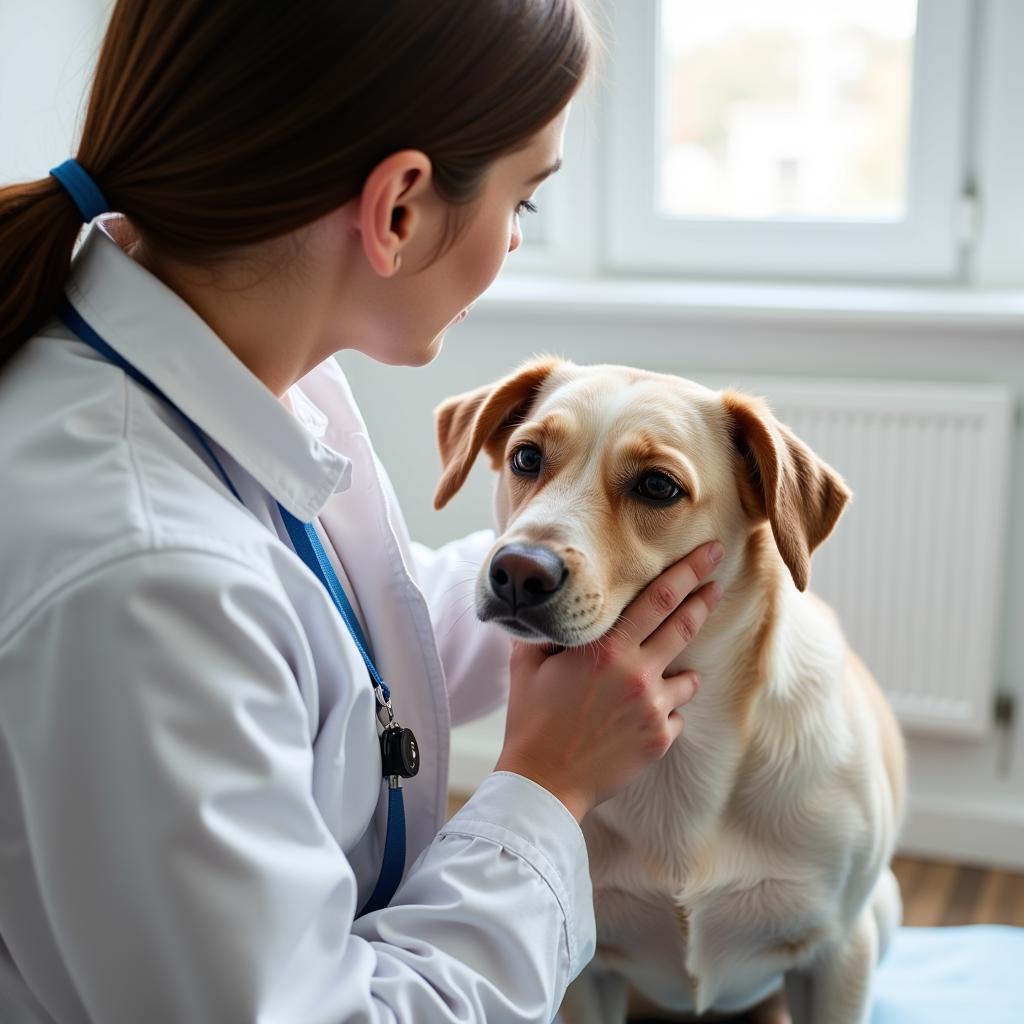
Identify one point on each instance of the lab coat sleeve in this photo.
(475, 654)
(187, 869)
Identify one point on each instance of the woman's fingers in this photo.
(672, 637)
(675, 725)
(663, 595)
(680, 689)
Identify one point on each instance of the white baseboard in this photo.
(985, 833)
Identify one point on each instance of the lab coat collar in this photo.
(164, 338)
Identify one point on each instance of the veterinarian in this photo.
(224, 713)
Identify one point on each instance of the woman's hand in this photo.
(584, 723)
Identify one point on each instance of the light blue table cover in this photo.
(965, 975)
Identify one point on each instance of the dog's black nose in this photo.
(525, 575)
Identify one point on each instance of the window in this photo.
(788, 137)
(785, 110)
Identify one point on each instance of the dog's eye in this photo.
(526, 460)
(658, 487)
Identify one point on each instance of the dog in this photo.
(746, 871)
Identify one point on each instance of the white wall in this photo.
(48, 52)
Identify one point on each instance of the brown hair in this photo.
(218, 126)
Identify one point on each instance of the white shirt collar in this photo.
(165, 339)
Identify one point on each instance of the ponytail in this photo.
(39, 225)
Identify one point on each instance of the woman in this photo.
(194, 822)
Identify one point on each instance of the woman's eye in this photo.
(526, 205)
(658, 487)
(526, 460)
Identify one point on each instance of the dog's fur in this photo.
(757, 849)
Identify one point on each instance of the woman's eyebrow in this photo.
(537, 178)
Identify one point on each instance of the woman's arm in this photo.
(164, 760)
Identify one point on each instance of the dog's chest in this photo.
(723, 940)
(673, 813)
(704, 893)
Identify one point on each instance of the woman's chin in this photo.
(434, 349)
(407, 355)
(435, 345)
(428, 354)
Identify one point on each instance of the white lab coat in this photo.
(191, 808)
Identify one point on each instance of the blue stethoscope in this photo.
(400, 756)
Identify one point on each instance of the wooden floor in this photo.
(937, 893)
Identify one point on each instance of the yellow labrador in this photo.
(752, 860)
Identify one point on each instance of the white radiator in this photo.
(914, 566)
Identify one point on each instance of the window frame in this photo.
(996, 158)
(925, 246)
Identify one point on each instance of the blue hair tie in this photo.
(85, 192)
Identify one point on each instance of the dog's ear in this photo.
(483, 419)
(781, 479)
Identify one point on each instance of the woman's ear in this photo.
(483, 419)
(781, 479)
(386, 212)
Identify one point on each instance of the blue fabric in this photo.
(394, 855)
(85, 192)
(966, 975)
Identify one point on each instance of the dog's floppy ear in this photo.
(483, 419)
(782, 480)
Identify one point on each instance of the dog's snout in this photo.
(526, 575)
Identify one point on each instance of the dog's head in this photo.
(609, 474)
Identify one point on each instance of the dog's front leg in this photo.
(840, 977)
(836, 987)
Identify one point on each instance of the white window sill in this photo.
(515, 296)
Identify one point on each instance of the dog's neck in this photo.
(733, 654)
(730, 651)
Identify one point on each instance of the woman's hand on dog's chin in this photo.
(584, 723)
